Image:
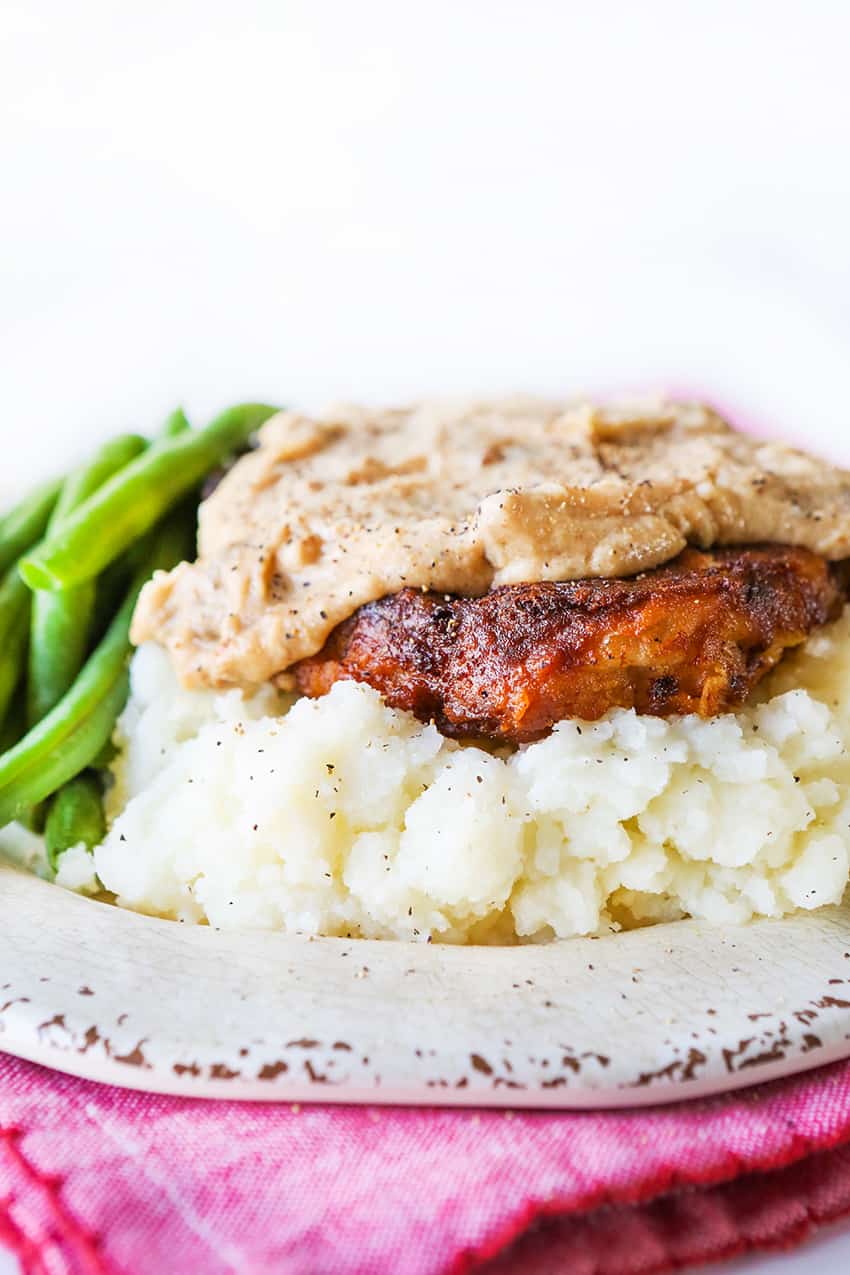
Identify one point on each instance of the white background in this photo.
(206, 201)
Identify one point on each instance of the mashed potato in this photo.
(342, 816)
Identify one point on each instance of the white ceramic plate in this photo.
(670, 1012)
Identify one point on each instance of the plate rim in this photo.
(32, 1005)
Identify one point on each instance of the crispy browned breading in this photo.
(694, 636)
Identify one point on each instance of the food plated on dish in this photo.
(492, 672)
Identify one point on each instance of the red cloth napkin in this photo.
(94, 1180)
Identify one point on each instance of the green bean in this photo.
(61, 623)
(110, 589)
(134, 500)
(82, 744)
(84, 481)
(13, 660)
(68, 739)
(14, 631)
(26, 523)
(75, 818)
(177, 423)
(14, 724)
(62, 620)
(13, 729)
(105, 757)
(14, 598)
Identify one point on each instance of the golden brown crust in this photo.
(693, 636)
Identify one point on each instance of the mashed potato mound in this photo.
(342, 816)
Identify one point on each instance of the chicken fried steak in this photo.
(693, 636)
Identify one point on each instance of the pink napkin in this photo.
(94, 1180)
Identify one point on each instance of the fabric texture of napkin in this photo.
(96, 1180)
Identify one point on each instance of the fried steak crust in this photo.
(693, 636)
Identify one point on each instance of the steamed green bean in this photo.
(177, 423)
(13, 658)
(14, 630)
(62, 619)
(75, 817)
(26, 523)
(84, 481)
(134, 500)
(14, 725)
(72, 735)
